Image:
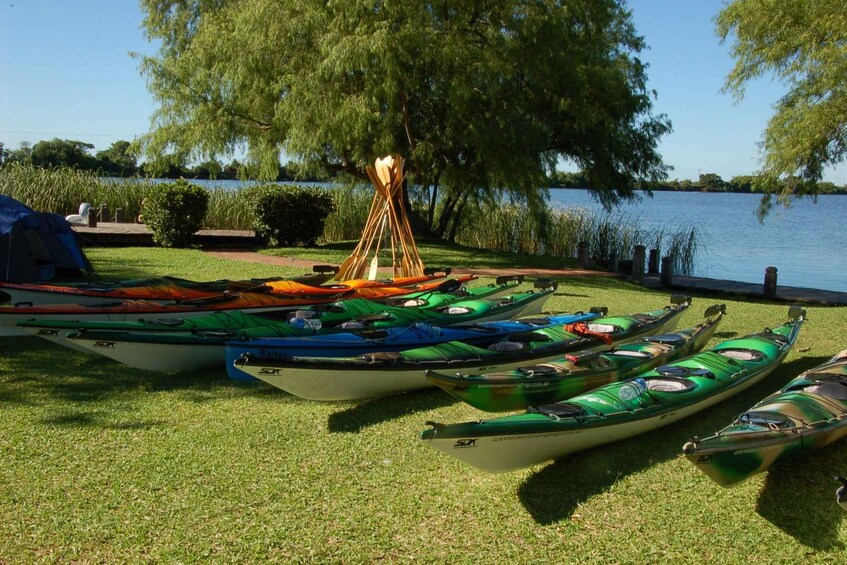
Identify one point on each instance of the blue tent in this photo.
(36, 246)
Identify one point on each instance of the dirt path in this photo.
(252, 257)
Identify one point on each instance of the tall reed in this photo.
(557, 233)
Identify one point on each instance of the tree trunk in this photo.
(457, 217)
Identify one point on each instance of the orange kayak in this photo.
(298, 289)
(159, 288)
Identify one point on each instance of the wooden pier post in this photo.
(638, 264)
(667, 275)
(92, 218)
(769, 288)
(582, 254)
(104, 213)
(120, 217)
(653, 264)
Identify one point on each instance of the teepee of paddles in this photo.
(387, 226)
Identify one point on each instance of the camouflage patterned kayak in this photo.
(576, 373)
(381, 373)
(808, 413)
(619, 410)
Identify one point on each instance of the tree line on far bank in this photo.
(709, 182)
(121, 160)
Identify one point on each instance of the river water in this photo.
(807, 242)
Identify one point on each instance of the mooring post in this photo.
(92, 218)
(582, 254)
(613, 262)
(638, 264)
(104, 213)
(119, 215)
(653, 265)
(769, 289)
(667, 275)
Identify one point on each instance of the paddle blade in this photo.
(373, 269)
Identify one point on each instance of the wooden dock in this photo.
(113, 234)
(793, 294)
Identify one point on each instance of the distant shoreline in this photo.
(837, 192)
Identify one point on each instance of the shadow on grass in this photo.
(582, 475)
(377, 410)
(799, 497)
(97, 419)
(44, 369)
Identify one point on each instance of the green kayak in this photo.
(389, 372)
(808, 413)
(576, 373)
(619, 410)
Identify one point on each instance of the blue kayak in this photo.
(360, 342)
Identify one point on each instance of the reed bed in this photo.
(557, 233)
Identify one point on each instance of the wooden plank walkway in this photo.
(126, 234)
(799, 295)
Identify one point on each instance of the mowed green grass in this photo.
(102, 463)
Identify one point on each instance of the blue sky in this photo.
(65, 71)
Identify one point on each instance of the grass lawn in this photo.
(101, 463)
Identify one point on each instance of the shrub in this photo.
(174, 211)
(289, 215)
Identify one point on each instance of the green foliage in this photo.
(288, 214)
(482, 98)
(802, 44)
(174, 211)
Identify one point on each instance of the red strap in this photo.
(581, 328)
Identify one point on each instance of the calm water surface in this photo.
(806, 242)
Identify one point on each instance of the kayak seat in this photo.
(560, 410)
(457, 310)
(830, 389)
(504, 346)
(741, 354)
(681, 372)
(413, 303)
(772, 420)
(530, 337)
(505, 300)
(767, 333)
(372, 334)
(540, 370)
(669, 384)
(667, 339)
(382, 357)
(536, 321)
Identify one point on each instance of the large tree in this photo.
(804, 44)
(481, 96)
